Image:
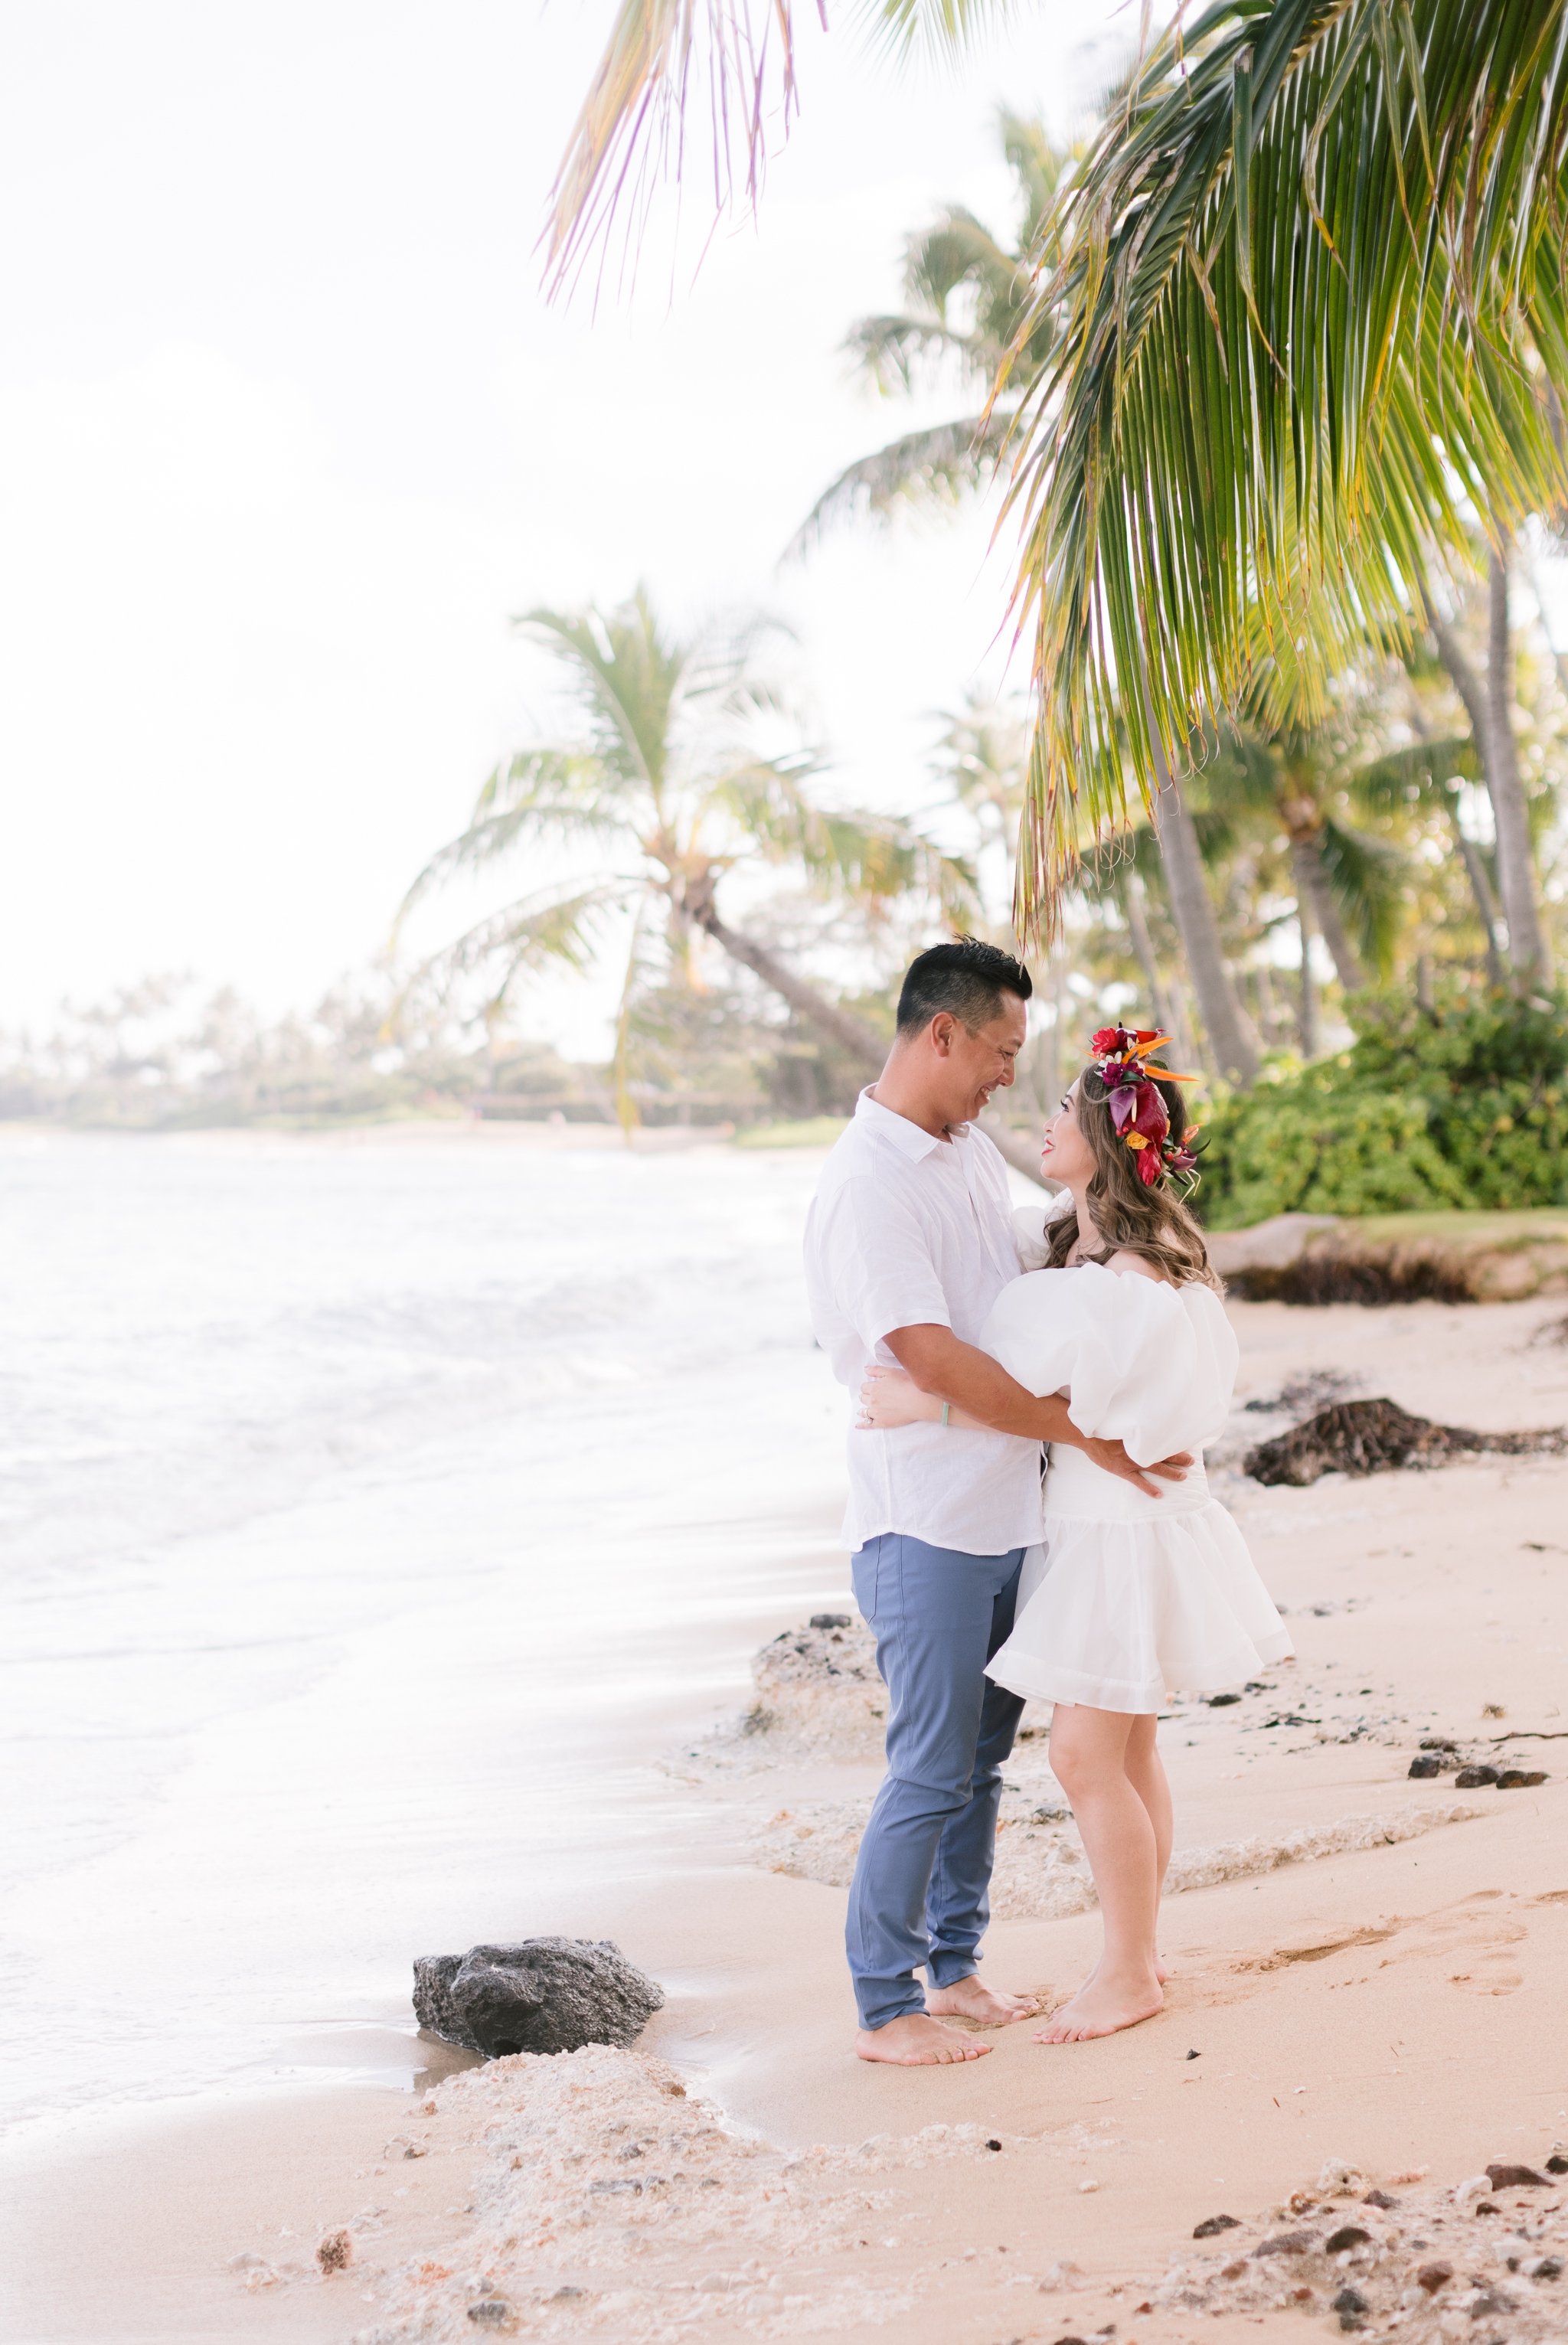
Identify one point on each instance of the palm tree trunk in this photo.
(1527, 946)
(1312, 880)
(1468, 852)
(1494, 742)
(1300, 856)
(1231, 1033)
(1131, 892)
(863, 1042)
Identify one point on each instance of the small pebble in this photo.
(1520, 1779)
(1472, 1779)
(336, 2252)
(1379, 2199)
(1515, 2177)
(1427, 1766)
(1212, 2225)
(1350, 2234)
(1432, 2276)
(491, 2313)
(1087, 2187)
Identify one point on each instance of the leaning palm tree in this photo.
(968, 303)
(662, 792)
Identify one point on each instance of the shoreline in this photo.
(1394, 2006)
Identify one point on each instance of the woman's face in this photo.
(1065, 1155)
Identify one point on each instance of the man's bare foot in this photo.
(1101, 2007)
(917, 2041)
(966, 1998)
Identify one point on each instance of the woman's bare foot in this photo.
(1161, 1972)
(966, 1998)
(1101, 2007)
(917, 2041)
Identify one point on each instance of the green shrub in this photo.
(1465, 1107)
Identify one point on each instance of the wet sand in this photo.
(1397, 2006)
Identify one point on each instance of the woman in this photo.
(1130, 1595)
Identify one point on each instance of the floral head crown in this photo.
(1123, 1061)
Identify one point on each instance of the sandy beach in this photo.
(1368, 1971)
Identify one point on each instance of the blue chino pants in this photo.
(921, 1894)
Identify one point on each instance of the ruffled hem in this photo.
(1120, 1614)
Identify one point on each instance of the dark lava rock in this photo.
(1221, 1701)
(1428, 1765)
(1548, 2268)
(1520, 1779)
(1557, 2163)
(1377, 1436)
(1288, 2243)
(832, 1620)
(1380, 2198)
(1432, 2276)
(543, 1995)
(1352, 2307)
(1212, 2225)
(491, 2313)
(1516, 2177)
(1350, 2234)
(1471, 1779)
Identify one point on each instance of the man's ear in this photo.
(942, 1028)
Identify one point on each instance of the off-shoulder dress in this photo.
(1129, 1597)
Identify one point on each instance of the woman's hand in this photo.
(889, 1397)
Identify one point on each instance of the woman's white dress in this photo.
(1130, 1597)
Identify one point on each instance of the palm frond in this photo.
(1310, 288)
(554, 796)
(737, 58)
(1369, 882)
(940, 465)
(1389, 784)
(628, 676)
(553, 926)
(889, 350)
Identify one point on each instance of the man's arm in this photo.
(955, 1371)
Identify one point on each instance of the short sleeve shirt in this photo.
(906, 1229)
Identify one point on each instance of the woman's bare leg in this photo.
(1089, 1759)
(1146, 1774)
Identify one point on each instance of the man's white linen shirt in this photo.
(907, 1231)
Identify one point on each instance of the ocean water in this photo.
(372, 1514)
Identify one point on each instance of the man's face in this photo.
(973, 1066)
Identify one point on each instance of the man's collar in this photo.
(911, 1138)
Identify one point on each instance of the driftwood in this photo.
(1377, 1436)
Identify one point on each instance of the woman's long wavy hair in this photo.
(1130, 1218)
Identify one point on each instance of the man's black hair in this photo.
(966, 978)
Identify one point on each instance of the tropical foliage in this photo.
(1464, 1104)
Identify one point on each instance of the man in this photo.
(909, 1241)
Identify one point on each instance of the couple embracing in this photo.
(1087, 1335)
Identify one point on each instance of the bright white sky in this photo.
(287, 433)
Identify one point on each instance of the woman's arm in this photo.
(890, 1397)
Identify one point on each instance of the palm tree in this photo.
(969, 299)
(1309, 316)
(1310, 303)
(663, 792)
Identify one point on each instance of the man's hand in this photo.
(1112, 1459)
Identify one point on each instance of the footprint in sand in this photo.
(1474, 1936)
